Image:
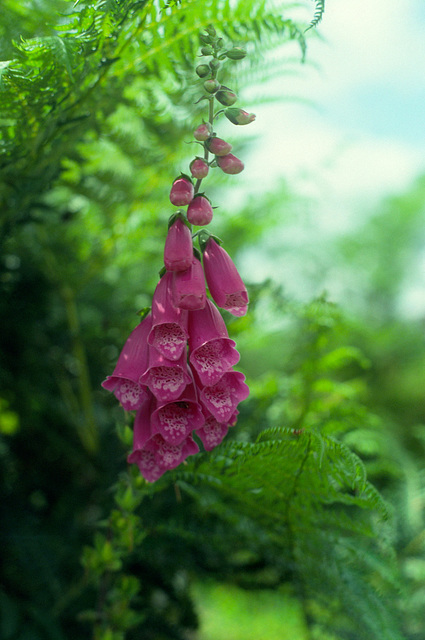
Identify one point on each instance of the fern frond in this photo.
(308, 495)
(318, 14)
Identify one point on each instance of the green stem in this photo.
(206, 153)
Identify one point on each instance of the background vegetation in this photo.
(308, 523)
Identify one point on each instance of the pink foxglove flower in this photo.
(169, 324)
(200, 211)
(189, 287)
(212, 352)
(166, 379)
(168, 456)
(218, 146)
(147, 464)
(230, 164)
(222, 398)
(175, 420)
(212, 432)
(224, 282)
(178, 250)
(181, 192)
(132, 363)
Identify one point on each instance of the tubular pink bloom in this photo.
(175, 420)
(168, 456)
(224, 282)
(222, 398)
(142, 431)
(189, 287)
(147, 464)
(218, 147)
(200, 211)
(166, 379)
(181, 192)
(199, 168)
(212, 352)
(169, 324)
(230, 164)
(178, 250)
(132, 363)
(212, 432)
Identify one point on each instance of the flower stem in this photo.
(206, 153)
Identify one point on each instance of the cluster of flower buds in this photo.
(176, 369)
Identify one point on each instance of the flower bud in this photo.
(211, 86)
(236, 53)
(202, 70)
(207, 50)
(205, 39)
(217, 146)
(199, 168)
(203, 132)
(226, 96)
(211, 31)
(178, 250)
(230, 164)
(181, 192)
(200, 212)
(214, 63)
(239, 116)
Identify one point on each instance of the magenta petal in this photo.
(169, 324)
(178, 250)
(132, 363)
(212, 352)
(147, 464)
(222, 398)
(224, 282)
(166, 379)
(189, 290)
(142, 427)
(169, 456)
(175, 420)
(212, 433)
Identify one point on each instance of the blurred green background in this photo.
(93, 132)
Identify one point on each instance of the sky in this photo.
(356, 131)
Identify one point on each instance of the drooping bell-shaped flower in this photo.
(224, 282)
(142, 431)
(169, 323)
(230, 164)
(175, 420)
(212, 352)
(182, 191)
(132, 363)
(189, 290)
(200, 211)
(166, 379)
(222, 398)
(146, 461)
(178, 250)
(168, 456)
(212, 432)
